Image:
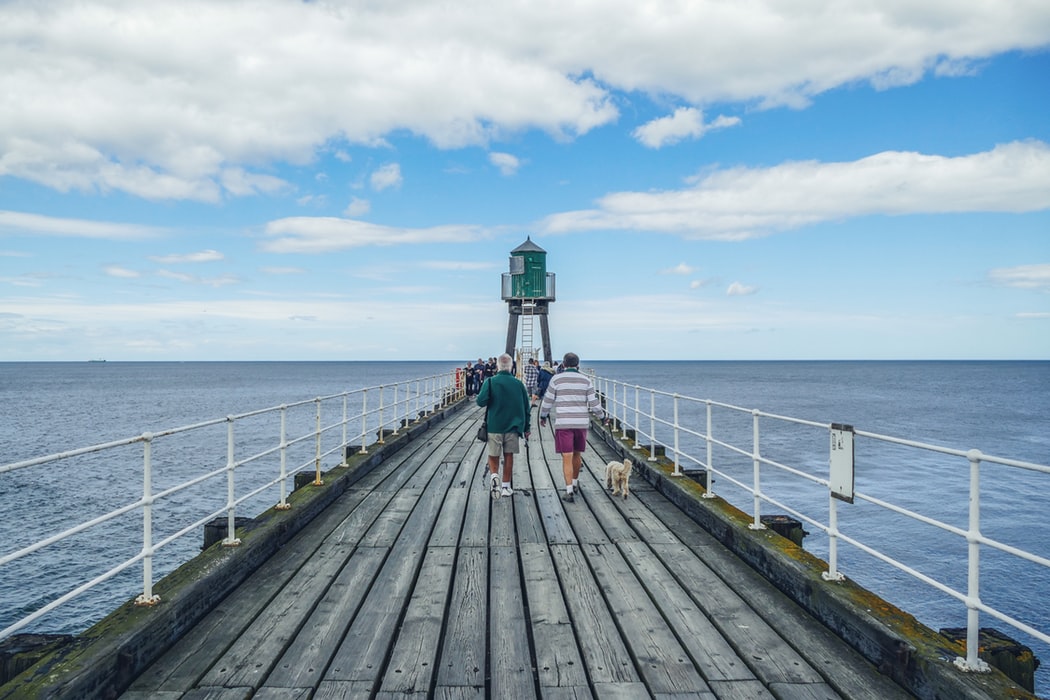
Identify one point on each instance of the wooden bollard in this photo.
(215, 530)
(785, 526)
(1009, 656)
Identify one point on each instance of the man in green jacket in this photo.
(509, 417)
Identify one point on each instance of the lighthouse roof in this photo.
(528, 247)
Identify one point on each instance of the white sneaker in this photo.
(506, 491)
(494, 485)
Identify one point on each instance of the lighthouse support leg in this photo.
(512, 332)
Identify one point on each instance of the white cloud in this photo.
(685, 123)
(386, 176)
(741, 203)
(121, 272)
(23, 223)
(357, 207)
(458, 265)
(273, 270)
(327, 234)
(177, 100)
(507, 163)
(216, 282)
(1023, 276)
(736, 289)
(198, 257)
(679, 269)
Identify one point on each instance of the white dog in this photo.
(618, 477)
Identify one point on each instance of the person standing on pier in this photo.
(509, 418)
(531, 375)
(571, 396)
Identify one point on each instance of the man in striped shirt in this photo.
(571, 396)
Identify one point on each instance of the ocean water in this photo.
(1000, 408)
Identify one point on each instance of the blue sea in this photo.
(999, 408)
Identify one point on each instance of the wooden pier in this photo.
(416, 582)
(408, 579)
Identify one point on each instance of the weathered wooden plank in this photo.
(740, 690)
(359, 520)
(213, 693)
(711, 653)
(361, 654)
(249, 660)
(454, 693)
(557, 654)
(767, 654)
(527, 519)
(413, 661)
(555, 523)
(450, 520)
(510, 662)
(660, 658)
(580, 692)
(843, 667)
(476, 522)
(803, 691)
(283, 694)
(604, 653)
(343, 690)
(501, 522)
(539, 473)
(306, 658)
(463, 660)
(389, 523)
(621, 690)
(189, 659)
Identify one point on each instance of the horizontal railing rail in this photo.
(266, 464)
(738, 443)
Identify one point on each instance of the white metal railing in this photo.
(392, 408)
(740, 437)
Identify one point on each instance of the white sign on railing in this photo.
(841, 479)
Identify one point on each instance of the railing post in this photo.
(677, 467)
(284, 504)
(418, 401)
(756, 460)
(710, 491)
(397, 420)
(147, 597)
(381, 440)
(317, 448)
(652, 425)
(833, 573)
(613, 430)
(231, 497)
(623, 414)
(364, 421)
(345, 444)
(637, 415)
(973, 662)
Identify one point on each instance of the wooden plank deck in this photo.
(416, 583)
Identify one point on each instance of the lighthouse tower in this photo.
(528, 290)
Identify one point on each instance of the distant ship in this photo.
(96, 360)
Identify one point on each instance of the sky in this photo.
(711, 180)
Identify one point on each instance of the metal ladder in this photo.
(527, 318)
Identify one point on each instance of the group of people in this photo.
(565, 393)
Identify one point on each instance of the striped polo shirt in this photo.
(571, 396)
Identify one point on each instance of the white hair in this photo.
(504, 362)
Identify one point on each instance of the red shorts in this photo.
(570, 440)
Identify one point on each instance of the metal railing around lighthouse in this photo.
(735, 449)
(326, 429)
